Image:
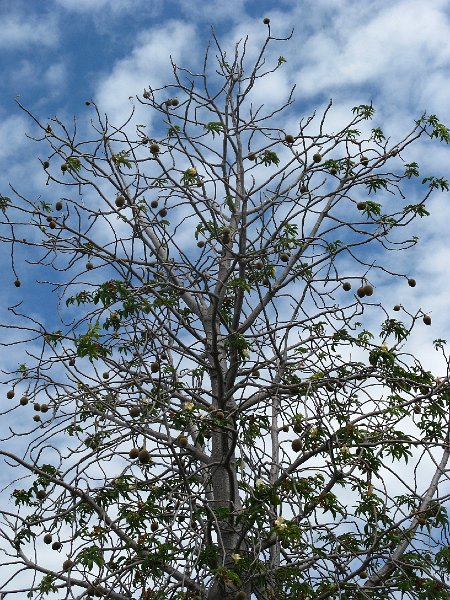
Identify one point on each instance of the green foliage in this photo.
(437, 183)
(411, 170)
(173, 130)
(121, 159)
(214, 127)
(5, 201)
(73, 164)
(91, 556)
(48, 584)
(270, 158)
(89, 345)
(281, 60)
(364, 110)
(377, 135)
(376, 183)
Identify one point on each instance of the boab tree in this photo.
(212, 419)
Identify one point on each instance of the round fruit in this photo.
(154, 148)
(10, 394)
(303, 189)
(49, 219)
(23, 401)
(135, 411)
(397, 307)
(427, 319)
(48, 538)
(220, 414)
(175, 102)
(333, 171)
(368, 289)
(17, 283)
(259, 264)
(256, 373)
(284, 257)
(317, 157)
(346, 286)
(87, 102)
(285, 428)
(44, 408)
(297, 427)
(72, 362)
(154, 367)
(52, 225)
(105, 375)
(363, 574)
(361, 205)
(58, 205)
(364, 160)
(200, 244)
(241, 596)
(289, 139)
(56, 546)
(120, 201)
(64, 167)
(154, 203)
(89, 266)
(144, 456)
(154, 526)
(37, 418)
(411, 282)
(251, 156)
(41, 495)
(361, 292)
(46, 164)
(226, 231)
(183, 441)
(67, 564)
(296, 445)
(133, 453)
(266, 20)
(163, 212)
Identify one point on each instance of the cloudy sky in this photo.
(56, 54)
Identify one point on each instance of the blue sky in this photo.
(55, 54)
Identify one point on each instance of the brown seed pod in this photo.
(298, 428)
(105, 375)
(163, 212)
(259, 264)
(285, 428)
(427, 319)
(296, 445)
(284, 257)
(183, 441)
(200, 243)
(154, 203)
(133, 453)
(17, 283)
(44, 408)
(317, 157)
(120, 201)
(37, 418)
(52, 225)
(361, 205)
(154, 526)
(251, 156)
(46, 164)
(23, 401)
(56, 546)
(58, 205)
(266, 20)
(49, 219)
(154, 148)
(241, 596)
(134, 411)
(48, 538)
(67, 564)
(144, 456)
(397, 307)
(37, 406)
(361, 292)
(64, 167)
(41, 495)
(89, 266)
(10, 394)
(364, 160)
(154, 367)
(411, 282)
(368, 290)
(303, 189)
(175, 102)
(289, 139)
(333, 171)
(346, 286)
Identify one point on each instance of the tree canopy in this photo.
(206, 414)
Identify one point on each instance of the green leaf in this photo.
(214, 127)
(270, 158)
(364, 110)
(73, 164)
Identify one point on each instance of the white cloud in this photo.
(147, 64)
(20, 31)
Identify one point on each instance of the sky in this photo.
(56, 54)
